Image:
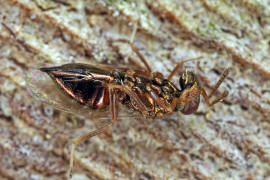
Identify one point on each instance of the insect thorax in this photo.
(142, 87)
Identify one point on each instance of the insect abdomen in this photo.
(98, 98)
(84, 84)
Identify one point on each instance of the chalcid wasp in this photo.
(149, 93)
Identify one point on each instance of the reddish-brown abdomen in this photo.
(100, 98)
(83, 83)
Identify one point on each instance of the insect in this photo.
(150, 93)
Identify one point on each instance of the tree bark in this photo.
(229, 140)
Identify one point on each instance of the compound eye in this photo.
(186, 80)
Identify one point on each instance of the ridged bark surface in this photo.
(227, 141)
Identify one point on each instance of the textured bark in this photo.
(228, 140)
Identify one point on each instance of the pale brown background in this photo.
(227, 141)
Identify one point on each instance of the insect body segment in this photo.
(155, 93)
(82, 82)
(190, 96)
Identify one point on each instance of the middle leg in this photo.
(132, 95)
(133, 47)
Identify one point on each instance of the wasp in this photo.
(149, 93)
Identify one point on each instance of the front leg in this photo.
(180, 65)
(222, 96)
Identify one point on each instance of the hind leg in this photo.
(80, 139)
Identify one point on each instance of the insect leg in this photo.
(113, 105)
(140, 56)
(160, 103)
(223, 95)
(179, 66)
(78, 140)
(136, 50)
(133, 33)
(132, 95)
(133, 47)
